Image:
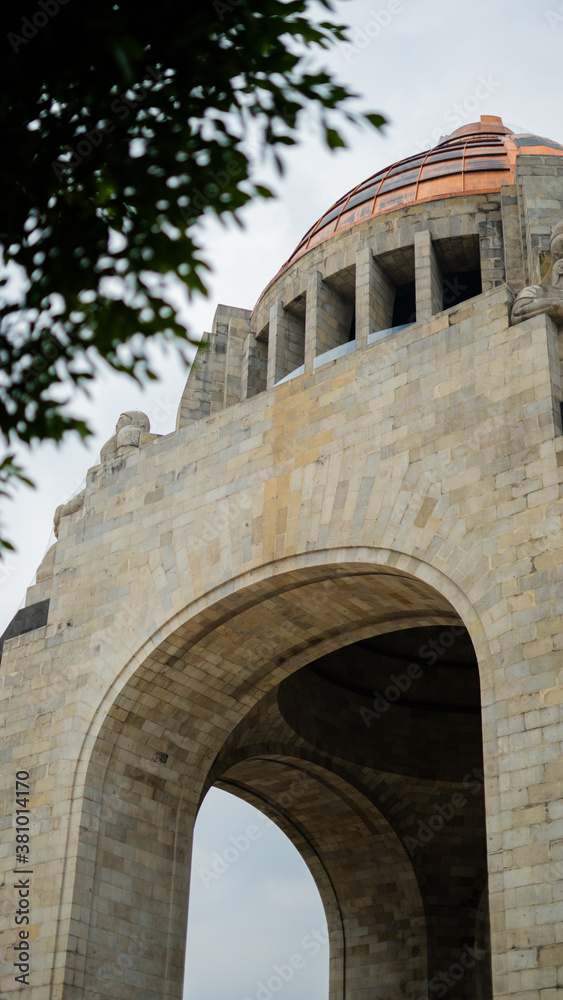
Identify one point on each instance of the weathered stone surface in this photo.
(226, 600)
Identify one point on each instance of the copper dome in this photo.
(475, 159)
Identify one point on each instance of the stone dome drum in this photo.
(462, 193)
(475, 159)
(414, 240)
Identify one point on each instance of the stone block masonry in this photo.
(222, 604)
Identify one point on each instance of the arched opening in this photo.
(261, 693)
(371, 757)
(417, 754)
(374, 912)
(254, 903)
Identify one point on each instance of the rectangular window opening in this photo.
(404, 306)
(458, 286)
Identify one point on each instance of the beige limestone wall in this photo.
(416, 479)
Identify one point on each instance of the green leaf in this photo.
(376, 120)
(333, 138)
(264, 192)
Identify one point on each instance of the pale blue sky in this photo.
(254, 907)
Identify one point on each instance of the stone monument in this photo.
(334, 590)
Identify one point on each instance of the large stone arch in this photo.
(146, 764)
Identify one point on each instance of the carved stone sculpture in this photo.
(536, 299)
(64, 509)
(131, 431)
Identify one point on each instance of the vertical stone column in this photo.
(254, 366)
(312, 318)
(512, 236)
(328, 319)
(428, 277)
(374, 297)
(232, 389)
(285, 343)
(365, 296)
(274, 334)
(491, 254)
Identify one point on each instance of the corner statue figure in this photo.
(131, 431)
(536, 299)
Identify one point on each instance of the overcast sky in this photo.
(428, 66)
